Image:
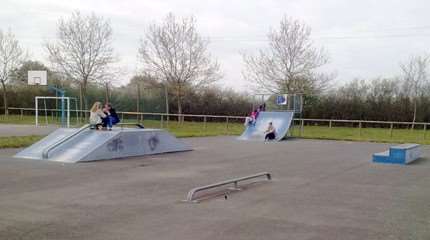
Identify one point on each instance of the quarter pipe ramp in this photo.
(281, 121)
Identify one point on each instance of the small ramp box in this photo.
(400, 154)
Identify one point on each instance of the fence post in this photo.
(122, 117)
(391, 130)
(161, 120)
(302, 125)
(425, 130)
(167, 120)
(226, 126)
(359, 129)
(204, 122)
(22, 113)
(329, 124)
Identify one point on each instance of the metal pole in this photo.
(46, 112)
(425, 130)
(68, 112)
(166, 96)
(78, 121)
(302, 125)
(62, 110)
(204, 122)
(391, 130)
(359, 129)
(226, 125)
(37, 114)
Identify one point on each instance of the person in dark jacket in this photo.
(270, 133)
(112, 117)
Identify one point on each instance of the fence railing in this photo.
(231, 123)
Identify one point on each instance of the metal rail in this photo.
(45, 153)
(192, 192)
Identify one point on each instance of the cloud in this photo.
(364, 38)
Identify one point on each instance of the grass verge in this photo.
(199, 129)
(19, 141)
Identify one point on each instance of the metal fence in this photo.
(230, 123)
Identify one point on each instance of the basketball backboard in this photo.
(37, 78)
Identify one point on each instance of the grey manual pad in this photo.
(281, 121)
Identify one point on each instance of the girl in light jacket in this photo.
(96, 115)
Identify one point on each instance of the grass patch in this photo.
(365, 134)
(199, 129)
(19, 141)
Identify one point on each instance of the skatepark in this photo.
(176, 120)
(319, 190)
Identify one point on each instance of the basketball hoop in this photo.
(37, 78)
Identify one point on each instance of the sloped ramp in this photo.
(91, 145)
(281, 121)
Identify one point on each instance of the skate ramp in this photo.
(281, 121)
(77, 145)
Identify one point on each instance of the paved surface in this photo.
(321, 190)
(24, 130)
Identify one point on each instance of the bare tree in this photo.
(290, 63)
(11, 56)
(175, 53)
(416, 79)
(83, 50)
(109, 80)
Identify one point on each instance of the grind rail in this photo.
(235, 181)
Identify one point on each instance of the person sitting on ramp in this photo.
(96, 116)
(270, 132)
(111, 117)
(250, 121)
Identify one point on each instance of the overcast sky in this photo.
(365, 39)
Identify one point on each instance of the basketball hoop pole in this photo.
(62, 94)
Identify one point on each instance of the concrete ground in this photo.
(320, 190)
(7, 130)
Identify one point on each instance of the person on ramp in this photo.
(270, 132)
(96, 116)
(111, 117)
(250, 121)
